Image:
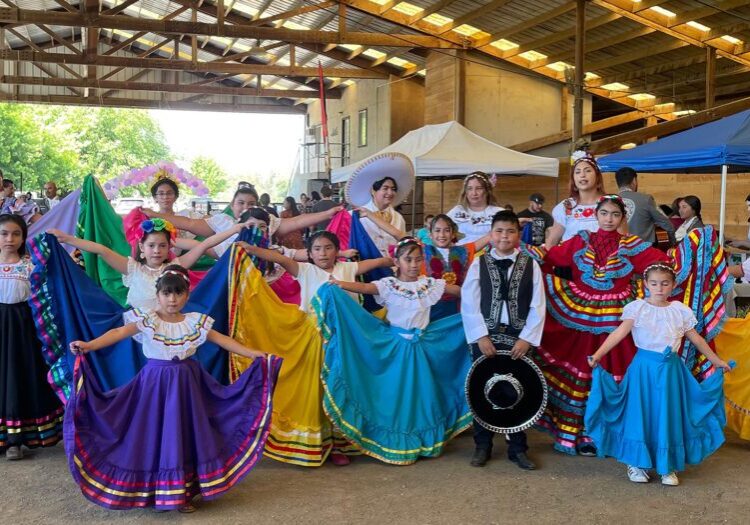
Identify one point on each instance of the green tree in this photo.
(212, 175)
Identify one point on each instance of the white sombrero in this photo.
(358, 190)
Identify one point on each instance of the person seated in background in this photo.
(265, 203)
(423, 234)
(643, 215)
(743, 244)
(690, 212)
(674, 217)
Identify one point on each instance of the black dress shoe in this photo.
(523, 461)
(481, 457)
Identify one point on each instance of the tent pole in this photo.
(414, 204)
(442, 195)
(722, 211)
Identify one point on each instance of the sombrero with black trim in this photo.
(358, 189)
(506, 395)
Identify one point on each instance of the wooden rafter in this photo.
(292, 13)
(127, 23)
(153, 104)
(528, 24)
(486, 9)
(442, 4)
(186, 65)
(159, 87)
(638, 54)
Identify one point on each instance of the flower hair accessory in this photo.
(152, 174)
(403, 242)
(489, 180)
(660, 266)
(175, 272)
(158, 225)
(583, 156)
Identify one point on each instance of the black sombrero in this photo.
(506, 395)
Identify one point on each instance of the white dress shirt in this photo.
(471, 310)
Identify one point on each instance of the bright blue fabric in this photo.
(361, 241)
(701, 149)
(396, 399)
(78, 309)
(659, 417)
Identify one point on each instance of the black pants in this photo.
(483, 438)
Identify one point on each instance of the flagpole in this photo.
(324, 120)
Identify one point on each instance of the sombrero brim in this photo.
(358, 190)
(526, 412)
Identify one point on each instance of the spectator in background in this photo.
(292, 239)
(423, 234)
(540, 219)
(9, 195)
(508, 207)
(643, 215)
(265, 203)
(324, 204)
(303, 202)
(314, 198)
(690, 212)
(675, 215)
(51, 198)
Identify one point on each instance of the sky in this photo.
(242, 143)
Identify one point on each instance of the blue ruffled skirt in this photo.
(396, 394)
(659, 417)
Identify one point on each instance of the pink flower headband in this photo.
(489, 180)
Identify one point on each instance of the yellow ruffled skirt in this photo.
(732, 344)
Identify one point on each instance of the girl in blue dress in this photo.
(659, 417)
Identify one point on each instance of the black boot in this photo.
(523, 461)
(481, 457)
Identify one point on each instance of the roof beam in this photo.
(127, 23)
(666, 128)
(120, 7)
(486, 9)
(187, 65)
(160, 87)
(528, 24)
(638, 54)
(697, 58)
(442, 4)
(291, 14)
(154, 104)
(597, 45)
(691, 37)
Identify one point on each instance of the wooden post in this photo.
(564, 108)
(220, 13)
(579, 73)
(292, 55)
(459, 88)
(194, 38)
(710, 77)
(652, 121)
(342, 19)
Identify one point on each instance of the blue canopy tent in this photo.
(716, 147)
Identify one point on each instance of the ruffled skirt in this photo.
(171, 433)
(732, 344)
(30, 412)
(301, 433)
(659, 417)
(396, 398)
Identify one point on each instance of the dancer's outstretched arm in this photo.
(103, 341)
(115, 260)
(229, 344)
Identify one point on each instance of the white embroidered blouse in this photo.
(166, 340)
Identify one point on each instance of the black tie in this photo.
(504, 265)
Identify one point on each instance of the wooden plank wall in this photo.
(664, 187)
(440, 89)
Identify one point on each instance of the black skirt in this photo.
(30, 412)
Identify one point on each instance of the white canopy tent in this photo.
(449, 150)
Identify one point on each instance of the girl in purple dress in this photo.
(173, 432)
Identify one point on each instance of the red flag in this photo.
(324, 117)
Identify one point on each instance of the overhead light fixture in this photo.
(629, 145)
(504, 45)
(559, 66)
(639, 97)
(532, 56)
(683, 112)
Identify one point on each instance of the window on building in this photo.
(362, 135)
(346, 140)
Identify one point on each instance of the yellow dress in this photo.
(731, 344)
(300, 433)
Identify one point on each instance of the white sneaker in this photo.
(670, 479)
(637, 475)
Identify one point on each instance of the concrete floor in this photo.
(445, 490)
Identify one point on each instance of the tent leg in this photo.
(442, 195)
(414, 206)
(723, 203)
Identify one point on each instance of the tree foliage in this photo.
(212, 175)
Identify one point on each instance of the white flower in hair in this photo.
(578, 155)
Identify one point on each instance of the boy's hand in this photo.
(79, 347)
(486, 347)
(519, 349)
(593, 361)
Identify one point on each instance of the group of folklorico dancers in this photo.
(153, 413)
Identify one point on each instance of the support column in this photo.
(579, 69)
(445, 87)
(710, 77)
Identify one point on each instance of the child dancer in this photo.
(582, 312)
(443, 259)
(153, 249)
(659, 417)
(323, 253)
(503, 306)
(173, 432)
(30, 413)
(395, 388)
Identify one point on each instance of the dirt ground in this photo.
(444, 490)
